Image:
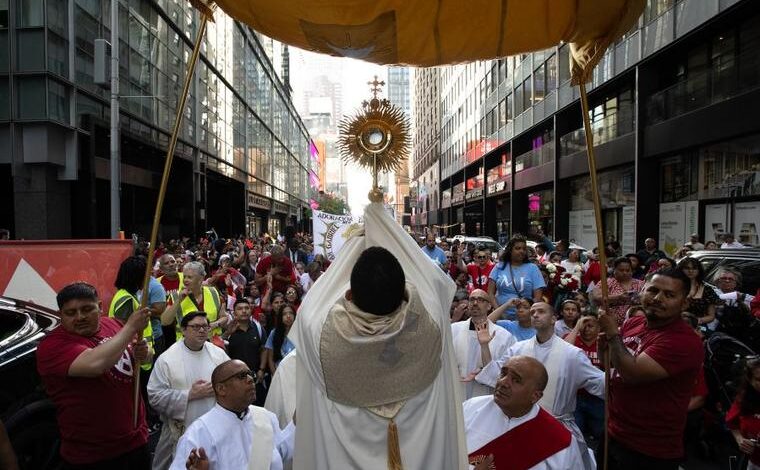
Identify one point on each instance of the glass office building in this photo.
(243, 153)
(674, 115)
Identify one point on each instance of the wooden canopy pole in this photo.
(600, 246)
(162, 189)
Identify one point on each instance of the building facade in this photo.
(242, 160)
(677, 140)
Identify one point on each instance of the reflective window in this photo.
(30, 13)
(30, 97)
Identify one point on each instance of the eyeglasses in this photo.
(242, 375)
(481, 257)
(478, 299)
(727, 279)
(198, 327)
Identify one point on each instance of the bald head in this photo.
(520, 386)
(224, 370)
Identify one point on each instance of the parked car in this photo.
(486, 242)
(746, 261)
(28, 415)
(571, 246)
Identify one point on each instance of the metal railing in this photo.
(535, 157)
(605, 130)
(721, 82)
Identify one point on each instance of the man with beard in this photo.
(234, 434)
(508, 430)
(655, 360)
(86, 366)
(476, 341)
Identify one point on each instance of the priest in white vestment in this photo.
(476, 341)
(568, 367)
(509, 430)
(281, 397)
(235, 435)
(179, 388)
(378, 388)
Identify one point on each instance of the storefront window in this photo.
(730, 169)
(678, 178)
(616, 188)
(541, 211)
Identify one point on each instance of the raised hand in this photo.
(481, 330)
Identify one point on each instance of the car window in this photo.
(749, 269)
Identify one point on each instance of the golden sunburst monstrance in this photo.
(376, 137)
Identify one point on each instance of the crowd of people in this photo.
(544, 295)
(216, 356)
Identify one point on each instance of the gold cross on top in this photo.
(376, 86)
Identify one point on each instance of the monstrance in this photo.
(375, 137)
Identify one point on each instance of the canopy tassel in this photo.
(394, 451)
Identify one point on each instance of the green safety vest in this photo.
(117, 303)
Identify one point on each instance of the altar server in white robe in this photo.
(179, 388)
(235, 434)
(476, 341)
(377, 381)
(281, 397)
(508, 430)
(568, 367)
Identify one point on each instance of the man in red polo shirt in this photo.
(655, 361)
(86, 366)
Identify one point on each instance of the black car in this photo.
(745, 261)
(27, 413)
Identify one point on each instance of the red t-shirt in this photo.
(591, 352)
(170, 284)
(650, 417)
(749, 425)
(286, 269)
(479, 276)
(94, 414)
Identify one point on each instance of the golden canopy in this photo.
(427, 32)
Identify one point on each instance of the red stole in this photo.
(526, 445)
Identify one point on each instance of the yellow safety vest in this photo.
(119, 299)
(211, 305)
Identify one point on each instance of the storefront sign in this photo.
(258, 201)
(716, 221)
(582, 228)
(672, 227)
(628, 242)
(747, 222)
(457, 195)
(499, 186)
(445, 199)
(474, 194)
(280, 207)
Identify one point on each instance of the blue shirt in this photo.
(520, 333)
(527, 279)
(156, 293)
(436, 254)
(287, 346)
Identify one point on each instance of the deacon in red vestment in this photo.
(509, 431)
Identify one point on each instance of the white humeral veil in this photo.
(331, 435)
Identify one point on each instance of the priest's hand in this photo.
(471, 376)
(200, 389)
(481, 329)
(486, 463)
(197, 460)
